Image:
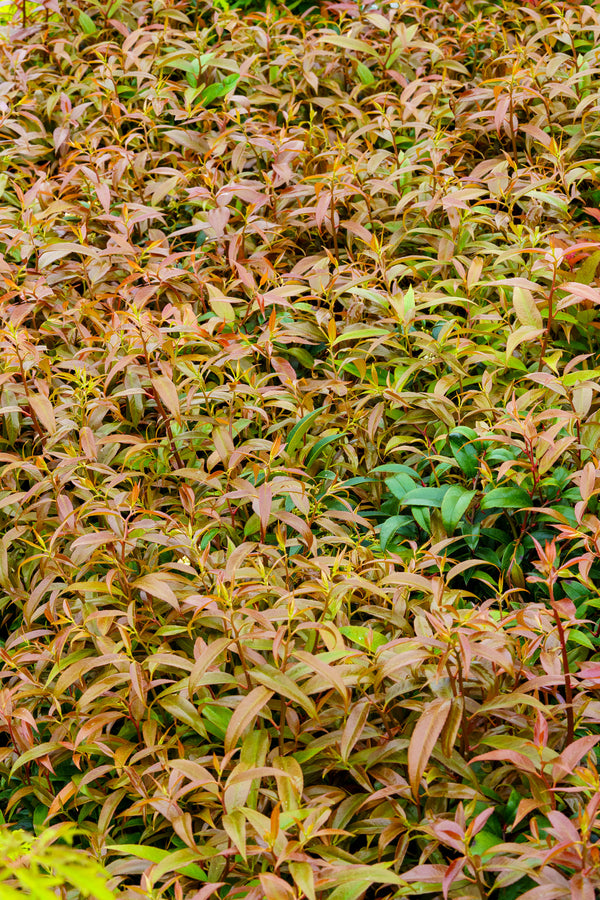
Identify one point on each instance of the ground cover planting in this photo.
(299, 467)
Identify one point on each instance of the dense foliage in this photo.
(299, 468)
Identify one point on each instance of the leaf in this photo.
(245, 713)
(526, 309)
(580, 637)
(347, 43)
(354, 727)
(216, 719)
(304, 879)
(330, 674)
(454, 871)
(234, 824)
(213, 651)
(33, 754)
(390, 527)
(571, 756)
(519, 760)
(452, 727)
(57, 251)
(10, 412)
(401, 484)
(323, 442)
(223, 309)
(282, 684)
(586, 272)
(348, 873)
(135, 397)
(195, 772)
(157, 586)
(43, 410)
(506, 498)
(465, 450)
(86, 23)
(518, 337)
(457, 500)
(423, 739)
(167, 392)
(218, 89)
(429, 497)
(182, 709)
(357, 332)
(300, 428)
(483, 842)
(365, 637)
(364, 73)
(158, 855)
(275, 888)
(546, 892)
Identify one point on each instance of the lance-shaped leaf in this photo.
(245, 713)
(423, 739)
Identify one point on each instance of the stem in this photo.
(566, 669)
(513, 133)
(550, 317)
(238, 645)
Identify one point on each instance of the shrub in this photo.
(299, 470)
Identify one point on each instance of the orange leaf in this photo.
(43, 411)
(167, 392)
(427, 730)
(353, 728)
(156, 586)
(275, 888)
(244, 714)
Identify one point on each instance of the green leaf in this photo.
(303, 876)
(300, 428)
(157, 855)
(216, 719)
(181, 708)
(401, 484)
(464, 450)
(84, 877)
(357, 332)
(10, 412)
(34, 753)
(580, 637)
(430, 497)
(484, 841)
(506, 498)
(364, 73)
(390, 527)
(86, 23)
(321, 444)
(234, 824)
(422, 517)
(34, 886)
(39, 816)
(218, 89)
(365, 637)
(454, 505)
